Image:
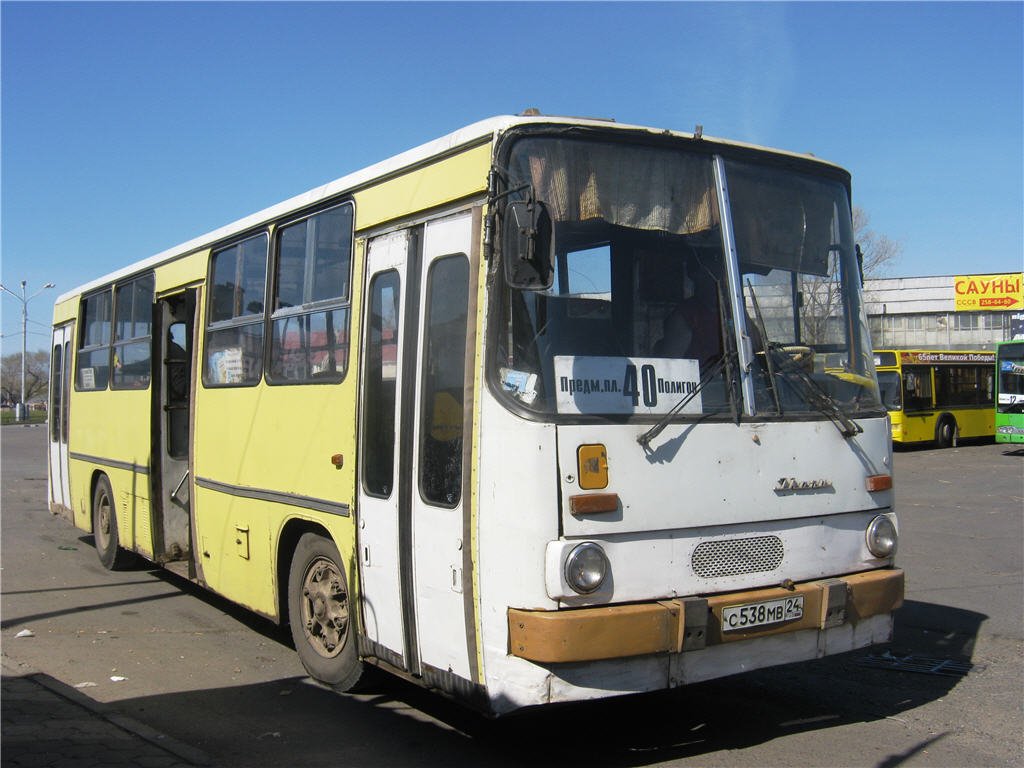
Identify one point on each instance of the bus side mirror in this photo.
(528, 246)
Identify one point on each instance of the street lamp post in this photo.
(21, 414)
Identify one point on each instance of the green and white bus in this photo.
(1010, 392)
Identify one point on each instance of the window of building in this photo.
(93, 369)
(310, 311)
(965, 321)
(234, 332)
(133, 307)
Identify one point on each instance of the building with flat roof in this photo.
(946, 312)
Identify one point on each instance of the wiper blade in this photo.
(813, 394)
(654, 431)
(729, 362)
(766, 344)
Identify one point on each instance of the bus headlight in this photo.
(586, 568)
(882, 537)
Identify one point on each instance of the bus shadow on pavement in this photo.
(394, 722)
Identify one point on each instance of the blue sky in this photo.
(128, 128)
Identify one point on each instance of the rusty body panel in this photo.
(588, 634)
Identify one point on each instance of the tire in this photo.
(320, 614)
(104, 528)
(946, 432)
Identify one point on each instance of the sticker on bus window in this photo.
(88, 378)
(226, 366)
(625, 385)
(522, 384)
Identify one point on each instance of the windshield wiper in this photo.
(729, 361)
(766, 344)
(654, 431)
(812, 392)
(814, 395)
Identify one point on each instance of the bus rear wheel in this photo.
(945, 432)
(104, 528)
(320, 616)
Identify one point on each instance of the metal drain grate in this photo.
(732, 557)
(924, 665)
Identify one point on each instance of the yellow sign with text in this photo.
(981, 292)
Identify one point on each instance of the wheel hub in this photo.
(325, 608)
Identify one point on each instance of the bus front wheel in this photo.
(320, 615)
(945, 432)
(104, 527)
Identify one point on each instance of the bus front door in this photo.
(382, 572)
(416, 405)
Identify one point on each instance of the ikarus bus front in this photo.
(672, 487)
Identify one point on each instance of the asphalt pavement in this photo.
(47, 724)
(141, 668)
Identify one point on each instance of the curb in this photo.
(107, 712)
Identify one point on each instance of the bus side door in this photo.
(414, 538)
(60, 390)
(442, 567)
(380, 482)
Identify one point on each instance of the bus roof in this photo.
(480, 131)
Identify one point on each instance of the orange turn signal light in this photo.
(878, 482)
(592, 503)
(592, 461)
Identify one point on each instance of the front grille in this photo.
(733, 557)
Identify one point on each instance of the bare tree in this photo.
(879, 252)
(37, 375)
(822, 295)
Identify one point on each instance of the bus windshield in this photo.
(640, 312)
(890, 388)
(1011, 378)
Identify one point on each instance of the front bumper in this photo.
(688, 624)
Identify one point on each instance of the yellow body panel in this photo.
(260, 452)
(113, 426)
(920, 427)
(279, 439)
(451, 179)
(182, 271)
(65, 311)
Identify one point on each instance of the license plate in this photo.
(737, 617)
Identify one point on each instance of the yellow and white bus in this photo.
(527, 414)
(938, 396)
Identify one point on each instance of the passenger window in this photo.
(132, 338)
(93, 371)
(444, 366)
(917, 388)
(309, 332)
(380, 394)
(234, 334)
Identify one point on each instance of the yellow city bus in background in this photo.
(938, 396)
(516, 414)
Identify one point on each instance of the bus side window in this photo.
(917, 389)
(234, 331)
